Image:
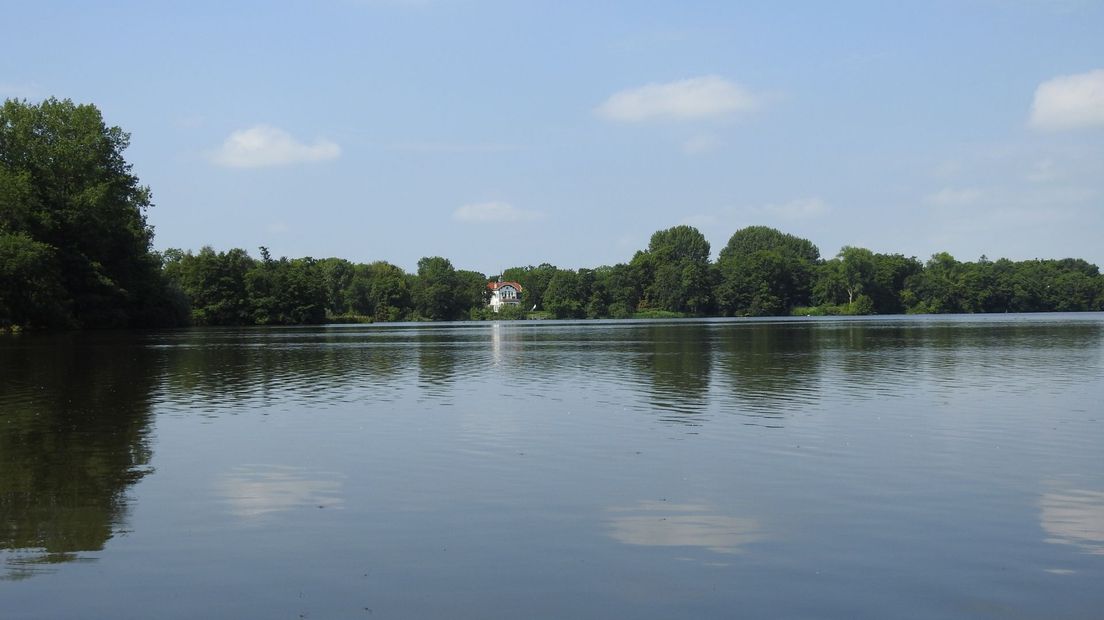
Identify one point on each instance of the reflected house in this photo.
(503, 294)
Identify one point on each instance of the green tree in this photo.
(758, 284)
(287, 292)
(675, 270)
(337, 275)
(380, 290)
(847, 277)
(748, 241)
(533, 281)
(216, 284)
(471, 287)
(435, 291)
(891, 272)
(65, 184)
(563, 297)
(31, 292)
(762, 272)
(939, 288)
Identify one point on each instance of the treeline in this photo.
(765, 272)
(760, 272)
(75, 251)
(233, 288)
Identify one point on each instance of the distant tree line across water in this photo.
(76, 251)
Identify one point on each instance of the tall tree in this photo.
(676, 265)
(762, 271)
(564, 297)
(64, 183)
(435, 293)
(533, 281)
(223, 287)
(747, 241)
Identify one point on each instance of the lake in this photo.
(896, 467)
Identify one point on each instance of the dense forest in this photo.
(76, 251)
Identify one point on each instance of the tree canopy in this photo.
(73, 215)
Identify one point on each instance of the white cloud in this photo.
(952, 197)
(1069, 102)
(493, 212)
(263, 146)
(705, 97)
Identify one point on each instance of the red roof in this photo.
(494, 286)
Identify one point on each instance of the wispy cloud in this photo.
(955, 197)
(800, 209)
(494, 212)
(9, 90)
(1069, 102)
(698, 98)
(703, 143)
(1043, 171)
(454, 147)
(727, 219)
(263, 146)
(700, 221)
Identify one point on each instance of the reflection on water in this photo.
(260, 490)
(668, 524)
(1074, 517)
(475, 466)
(74, 436)
(771, 369)
(677, 364)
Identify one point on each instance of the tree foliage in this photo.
(674, 271)
(69, 198)
(762, 271)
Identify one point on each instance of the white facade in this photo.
(504, 294)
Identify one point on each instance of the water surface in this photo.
(919, 467)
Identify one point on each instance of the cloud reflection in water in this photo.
(664, 524)
(256, 491)
(1074, 517)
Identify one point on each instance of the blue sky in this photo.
(512, 133)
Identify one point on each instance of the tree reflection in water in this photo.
(74, 436)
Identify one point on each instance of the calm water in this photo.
(880, 468)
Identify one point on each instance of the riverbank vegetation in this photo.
(76, 251)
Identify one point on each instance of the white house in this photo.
(504, 294)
